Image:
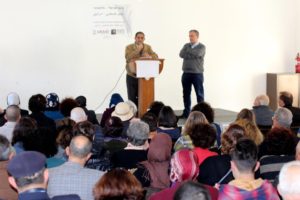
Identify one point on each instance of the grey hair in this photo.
(5, 148)
(138, 132)
(80, 151)
(263, 100)
(289, 183)
(284, 117)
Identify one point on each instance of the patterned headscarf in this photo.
(184, 166)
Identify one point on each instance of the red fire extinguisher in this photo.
(297, 67)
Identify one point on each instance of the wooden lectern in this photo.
(146, 84)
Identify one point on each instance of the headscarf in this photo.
(159, 155)
(184, 166)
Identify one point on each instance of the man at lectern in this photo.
(193, 58)
(134, 51)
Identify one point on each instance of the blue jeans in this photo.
(187, 80)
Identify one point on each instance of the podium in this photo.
(146, 71)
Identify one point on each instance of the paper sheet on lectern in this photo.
(147, 68)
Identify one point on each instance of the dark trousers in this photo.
(132, 89)
(187, 80)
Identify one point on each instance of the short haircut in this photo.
(151, 120)
(118, 184)
(5, 148)
(12, 113)
(289, 179)
(113, 127)
(139, 32)
(138, 132)
(286, 97)
(81, 100)
(195, 31)
(244, 155)
(85, 128)
(206, 109)
(230, 137)
(167, 117)
(195, 117)
(203, 135)
(80, 151)
(22, 129)
(263, 100)
(36, 178)
(37, 103)
(284, 117)
(191, 190)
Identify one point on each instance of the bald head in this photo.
(289, 181)
(78, 115)
(12, 113)
(80, 147)
(262, 100)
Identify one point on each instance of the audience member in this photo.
(216, 169)
(91, 115)
(29, 176)
(78, 115)
(123, 111)
(72, 177)
(263, 113)
(289, 181)
(185, 141)
(283, 117)
(246, 114)
(114, 100)
(118, 184)
(155, 107)
(12, 116)
(203, 137)
(209, 113)
(191, 190)
(52, 107)
(6, 153)
(154, 171)
(252, 131)
(243, 166)
(167, 123)
(37, 105)
(67, 105)
(137, 147)
(152, 121)
(133, 107)
(286, 101)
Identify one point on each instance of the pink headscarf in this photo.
(184, 166)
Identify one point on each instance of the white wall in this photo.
(47, 46)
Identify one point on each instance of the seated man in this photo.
(286, 101)
(72, 177)
(289, 181)
(243, 166)
(282, 118)
(12, 115)
(262, 111)
(29, 176)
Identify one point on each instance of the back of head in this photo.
(52, 101)
(262, 100)
(286, 97)
(244, 155)
(113, 127)
(13, 99)
(206, 109)
(184, 166)
(81, 100)
(203, 135)
(13, 113)
(80, 147)
(118, 184)
(230, 137)
(155, 107)
(5, 148)
(289, 181)
(281, 141)
(78, 115)
(151, 119)
(283, 117)
(85, 128)
(67, 105)
(138, 132)
(64, 132)
(37, 103)
(195, 117)
(191, 190)
(167, 117)
(23, 128)
(246, 114)
(251, 130)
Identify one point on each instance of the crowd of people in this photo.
(59, 150)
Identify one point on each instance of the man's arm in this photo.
(189, 53)
(183, 52)
(131, 53)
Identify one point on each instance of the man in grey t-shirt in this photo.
(193, 57)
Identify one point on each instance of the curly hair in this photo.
(67, 105)
(85, 128)
(203, 135)
(230, 137)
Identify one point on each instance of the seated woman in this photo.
(184, 141)
(216, 169)
(154, 172)
(118, 184)
(137, 147)
(114, 100)
(203, 137)
(167, 123)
